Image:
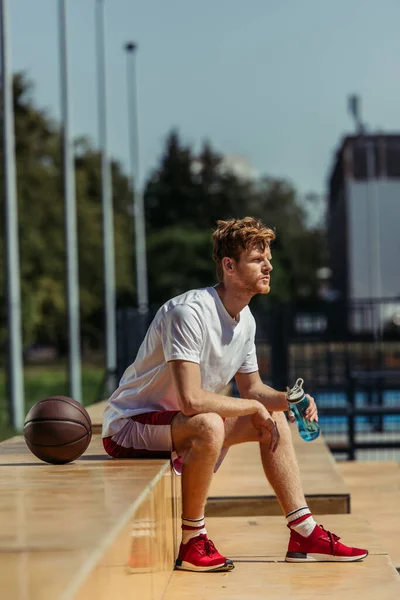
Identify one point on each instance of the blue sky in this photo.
(265, 79)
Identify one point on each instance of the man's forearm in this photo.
(272, 399)
(225, 406)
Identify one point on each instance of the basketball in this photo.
(57, 430)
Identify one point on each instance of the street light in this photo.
(15, 362)
(71, 234)
(138, 209)
(107, 206)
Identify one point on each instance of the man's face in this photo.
(253, 270)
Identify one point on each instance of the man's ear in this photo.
(227, 263)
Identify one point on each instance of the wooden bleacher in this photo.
(240, 488)
(96, 415)
(66, 530)
(258, 546)
(375, 495)
(70, 532)
(325, 489)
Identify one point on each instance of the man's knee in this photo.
(209, 428)
(200, 431)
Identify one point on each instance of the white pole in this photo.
(75, 387)
(140, 231)
(15, 362)
(107, 203)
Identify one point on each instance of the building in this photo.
(363, 217)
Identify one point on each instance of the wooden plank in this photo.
(258, 547)
(372, 578)
(240, 506)
(263, 540)
(38, 574)
(96, 415)
(141, 558)
(375, 494)
(240, 486)
(57, 521)
(267, 537)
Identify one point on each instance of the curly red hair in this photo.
(233, 236)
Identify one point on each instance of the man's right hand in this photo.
(266, 427)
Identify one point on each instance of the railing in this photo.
(348, 355)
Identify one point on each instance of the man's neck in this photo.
(233, 300)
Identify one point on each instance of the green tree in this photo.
(179, 259)
(188, 193)
(41, 228)
(298, 250)
(170, 191)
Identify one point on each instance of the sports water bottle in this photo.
(298, 404)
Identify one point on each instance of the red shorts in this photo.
(144, 436)
(148, 435)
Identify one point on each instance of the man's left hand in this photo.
(311, 413)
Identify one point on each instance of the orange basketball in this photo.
(57, 430)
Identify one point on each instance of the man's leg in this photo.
(281, 467)
(308, 541)
(199, 440)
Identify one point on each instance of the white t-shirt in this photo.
(196, 327)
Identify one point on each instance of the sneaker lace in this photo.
(333, 538)
(205, 546)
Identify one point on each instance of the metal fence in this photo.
(347, 353)
(349, 356)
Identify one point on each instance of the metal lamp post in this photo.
(75, 386)
(140, 232)
(107, 206)
(15, 362)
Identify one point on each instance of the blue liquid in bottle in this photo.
(298, 404)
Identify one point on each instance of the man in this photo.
(168, 400)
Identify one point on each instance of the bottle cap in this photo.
(296, 394)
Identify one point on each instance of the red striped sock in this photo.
(301, 520)
(192, 528)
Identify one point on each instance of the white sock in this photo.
(301, 520)
(192, 528)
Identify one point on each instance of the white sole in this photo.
(325, 558)
(186, 566)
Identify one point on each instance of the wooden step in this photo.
(267, 537)
(70, 532)
(240, 486)
(258, 546)
(66, 529)
(96, 415)
(375, 494)
(371, 579)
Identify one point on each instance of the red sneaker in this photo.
(200, 554)
(321, 546)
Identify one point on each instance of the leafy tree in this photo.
(179, 259)
(298, 250)
(190, 190)
(170, 191)
(185, 195)
(189, 193)
(41, 228)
